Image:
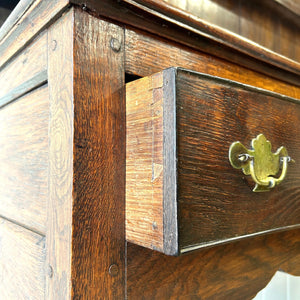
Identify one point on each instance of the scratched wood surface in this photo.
(24, 159)
(144, 162)
(22, 261)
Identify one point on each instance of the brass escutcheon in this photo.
(260, 162)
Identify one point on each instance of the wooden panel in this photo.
(86, 212)
(24, 159)
(215, 202)
(22, 261)
(29, 63)
(233, 271)
(20, 30)
(162, 54)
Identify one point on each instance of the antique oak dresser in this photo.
(149, 149)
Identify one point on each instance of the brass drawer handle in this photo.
(260, 162)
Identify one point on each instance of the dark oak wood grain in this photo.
(86, 216)
(22, 262)
(85, 213)
(233, 271)
(171, 13)
(162, 54)
(24, 159)
(164, 21)
(98, 246)
(254, 20)
(215, 202)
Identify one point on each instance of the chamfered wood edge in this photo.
(292, 6)
(173, 14)
(170, 222)
(200, 246)
(29, 85)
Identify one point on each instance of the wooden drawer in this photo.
(182, 193)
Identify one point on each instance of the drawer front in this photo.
(202, 200)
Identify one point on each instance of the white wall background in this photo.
(282, 287)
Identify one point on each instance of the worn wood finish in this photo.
(98, 246)
(215, 201)
(22, 262)
(86, 212)
(144, 162)
(150, 20)
(60, 201)
(28, 64)
(233, 271)
(24, 160)
(18, 34)
(162, 54)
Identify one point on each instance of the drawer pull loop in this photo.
(260, 162)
